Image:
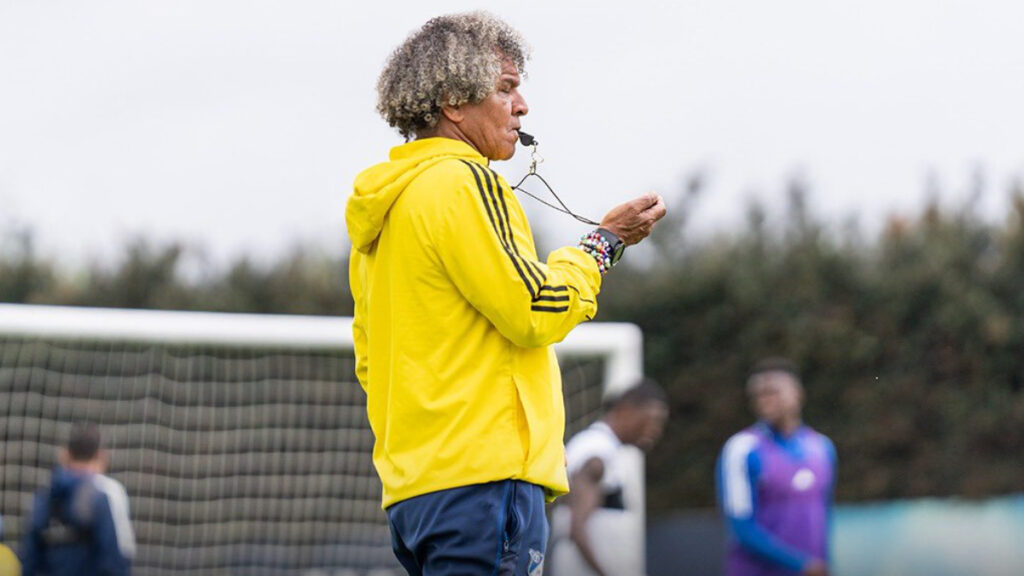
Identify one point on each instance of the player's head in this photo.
(639, 414)
(775, 391)
(458, 73)
(83, 449)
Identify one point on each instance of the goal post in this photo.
(242, 439)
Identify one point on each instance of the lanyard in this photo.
(535, 158)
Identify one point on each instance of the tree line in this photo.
(911, 339)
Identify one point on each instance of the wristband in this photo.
(604, 247)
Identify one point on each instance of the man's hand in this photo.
(632, 221)
(815, 568)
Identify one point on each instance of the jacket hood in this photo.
(378, 187)
(64, 483)
(70, 493)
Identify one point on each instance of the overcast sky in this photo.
(240, 125)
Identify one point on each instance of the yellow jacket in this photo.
(454, 321)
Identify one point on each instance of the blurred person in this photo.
(79, 524)
(584, 529)
(9, 564)
(775, 482)
(455, 314)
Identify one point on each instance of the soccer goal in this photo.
(242, 439)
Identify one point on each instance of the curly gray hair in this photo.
(452, 60)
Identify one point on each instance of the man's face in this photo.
(648, 424)
(775, 396)
(492, 125)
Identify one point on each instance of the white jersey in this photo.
(609, 526)
(598, 441)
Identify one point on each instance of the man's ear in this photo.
(454, 114)
(63, 457)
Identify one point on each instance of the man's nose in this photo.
(519, 107)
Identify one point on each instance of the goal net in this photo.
(242, 440)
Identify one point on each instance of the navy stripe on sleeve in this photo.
(537, 308)
(490, 215)
(531, 267)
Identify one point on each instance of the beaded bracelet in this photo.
(594, 244)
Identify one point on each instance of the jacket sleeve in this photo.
(357, 284)
(32, 546)
(108, 553)
(830, 502)
(489, 257)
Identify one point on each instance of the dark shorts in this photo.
(490, 529)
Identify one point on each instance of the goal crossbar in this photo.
(621, 344)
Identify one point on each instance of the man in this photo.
(775, 482)
(588, 532)
(79, 525)
(454, 313)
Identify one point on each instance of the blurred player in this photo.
(775, 482)
(9, 564)
(584, 529)
(455, 314)
(79, 524)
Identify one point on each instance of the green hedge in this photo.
(911, 342)
(911, 346)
